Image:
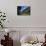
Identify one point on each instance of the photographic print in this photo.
(23, 10)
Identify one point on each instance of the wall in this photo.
(35, 22)
(36, 19)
